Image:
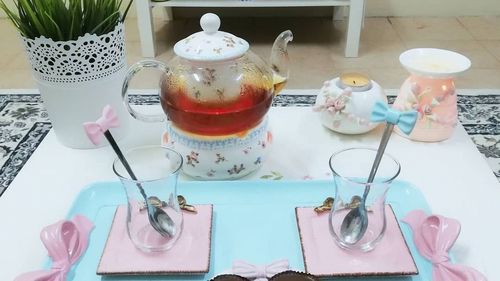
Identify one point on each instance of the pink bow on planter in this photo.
(434, 236)
(259, 272)
(65, 242)
(96, 129)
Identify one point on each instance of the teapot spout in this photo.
(279, 60)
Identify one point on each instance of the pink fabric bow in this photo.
(259, 272)
(65, 241)
(108, 120)
(434, 236)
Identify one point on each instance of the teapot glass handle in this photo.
(133, 70)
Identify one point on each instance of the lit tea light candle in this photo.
(357, 81)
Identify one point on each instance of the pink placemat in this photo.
(322, 256)
(189, 255)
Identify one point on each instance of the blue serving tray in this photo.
(253, 221)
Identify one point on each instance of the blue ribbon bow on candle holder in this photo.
(404, 120)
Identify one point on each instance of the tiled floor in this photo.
(316, 52)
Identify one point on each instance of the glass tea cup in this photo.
(156, 169)
(351, 168)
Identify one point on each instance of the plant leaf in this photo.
(65, 19)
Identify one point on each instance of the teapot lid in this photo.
(211, 44)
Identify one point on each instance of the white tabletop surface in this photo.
(455, 179)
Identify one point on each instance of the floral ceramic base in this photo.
(220, 157)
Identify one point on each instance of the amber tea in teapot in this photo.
(217, 117)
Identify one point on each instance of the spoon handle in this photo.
(380, 151)
(378, 157)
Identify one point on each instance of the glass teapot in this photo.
(215, 85)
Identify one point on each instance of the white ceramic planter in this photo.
(220, 157)
(76, 79)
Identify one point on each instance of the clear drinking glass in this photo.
(156, 169)
(351, 168)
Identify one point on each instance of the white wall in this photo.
(374, 8)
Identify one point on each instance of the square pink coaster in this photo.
(324, 258)
(189, 255)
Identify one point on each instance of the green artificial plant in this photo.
(63, 20)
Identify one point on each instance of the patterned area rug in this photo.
(24, 123)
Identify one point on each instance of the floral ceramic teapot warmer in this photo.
(216, 94)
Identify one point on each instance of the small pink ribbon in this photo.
(65, 241)
(259, 272)
(108, 120)
(434, 236)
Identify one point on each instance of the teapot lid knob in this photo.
(210, 23)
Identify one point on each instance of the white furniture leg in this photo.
(168, 15)
(364, 13)
(146, 29)
(338, 13)
(354, 28)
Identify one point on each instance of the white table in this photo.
(453, 176)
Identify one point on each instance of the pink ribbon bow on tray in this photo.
(259, 272)
(96, 129)
(434, 236)
(65, 241)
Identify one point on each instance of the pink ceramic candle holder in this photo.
(430, 90)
